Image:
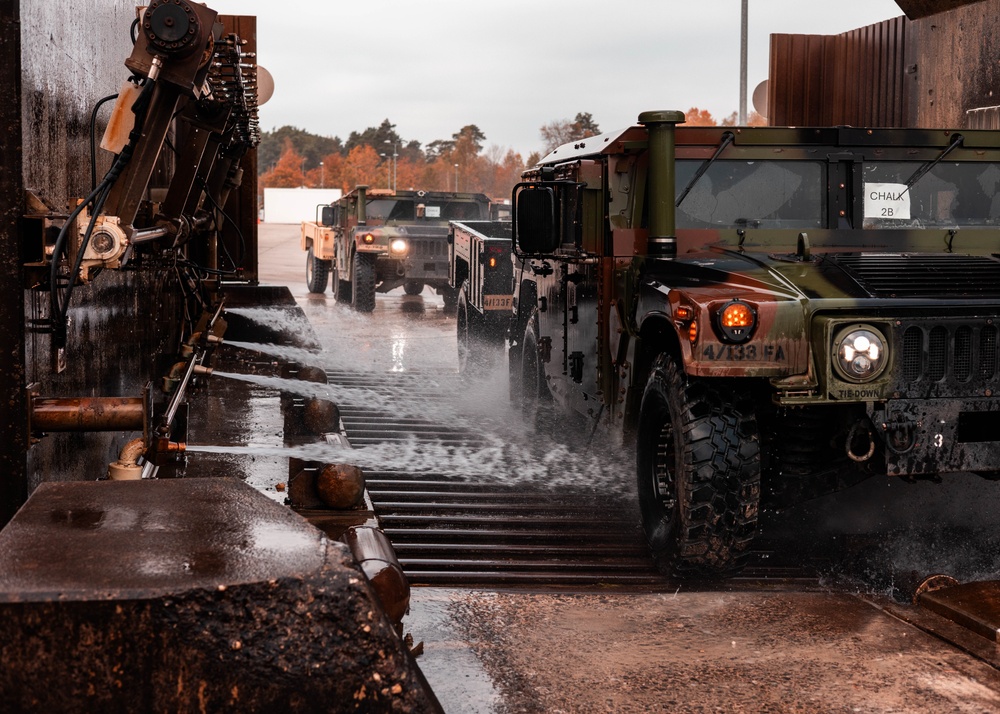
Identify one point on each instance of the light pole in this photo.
(743, 65)
(394, 155)
(322, 175)
(388, 172)
(456, 178)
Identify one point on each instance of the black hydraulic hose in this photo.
(98, 196)
(93, 140)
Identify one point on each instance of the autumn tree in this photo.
(377, 137)
(699, 117)
(287, 172)
(556, 133)
(362, 166)
(311, 147)
(753, 119)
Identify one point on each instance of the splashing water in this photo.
(274, 318)
(546, 464)
(338, 394)
(297, 355)
(291, 386)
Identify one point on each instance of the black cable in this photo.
(98, 196)
(132, 30)
(221, 211)
(93, 140)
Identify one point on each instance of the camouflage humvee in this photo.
(769, 313)
(376, 240)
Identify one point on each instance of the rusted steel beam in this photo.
(924, 8)
(87, 414)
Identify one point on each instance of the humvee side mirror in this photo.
(326, 216)
(535, 220)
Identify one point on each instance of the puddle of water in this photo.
(455, 674)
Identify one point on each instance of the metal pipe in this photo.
(362, 205)
(374, 553)
(178, 396)
(87, 413)
(660, 194)
(126, 468)
(145, 235)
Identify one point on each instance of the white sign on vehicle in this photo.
(433, 212)
(889, 201)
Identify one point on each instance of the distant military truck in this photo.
(482, 273)
(767, 314)
(375, 240)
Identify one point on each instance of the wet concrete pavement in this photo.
(831, 649)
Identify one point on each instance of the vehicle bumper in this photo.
(928, 436)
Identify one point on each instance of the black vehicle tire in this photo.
(341, 288)
(450, 298)
(534, 397)
(472, 354)
(698, 473)
(316, 272)
(363, 285)
(413, 287)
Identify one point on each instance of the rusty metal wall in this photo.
(955, 57)
(855, 78)
(72, 54)
(923, 8)
(13, 482)
(940, 71)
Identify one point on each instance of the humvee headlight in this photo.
(860, 354)
(398, 246)
(735, 321)
(368, 238)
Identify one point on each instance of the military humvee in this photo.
(768, 313)
(376, 240)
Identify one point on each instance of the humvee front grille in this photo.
(948, 353)
(429, 248)
(939, 275)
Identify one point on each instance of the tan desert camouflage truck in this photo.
(768, 314)
(375, 240)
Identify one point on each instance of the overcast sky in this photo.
(509, 67)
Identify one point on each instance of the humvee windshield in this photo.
(753, 194)
(405, 209)
(949, 195)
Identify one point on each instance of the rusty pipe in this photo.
(88, 413)
(374, 554)
(127, 468)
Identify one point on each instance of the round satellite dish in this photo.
(760, 99)
(265, 85)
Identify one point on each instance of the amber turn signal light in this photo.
(736, 321)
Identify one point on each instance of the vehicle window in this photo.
(753, 194)
(389, 209)
(949, 195)
(464, 211)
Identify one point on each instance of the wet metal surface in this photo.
(975, 606)
(97, 540)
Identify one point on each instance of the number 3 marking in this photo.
(938, 440)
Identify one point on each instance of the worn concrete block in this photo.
(188, 595)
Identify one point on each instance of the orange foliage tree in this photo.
(492, 172)
(287, 172)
